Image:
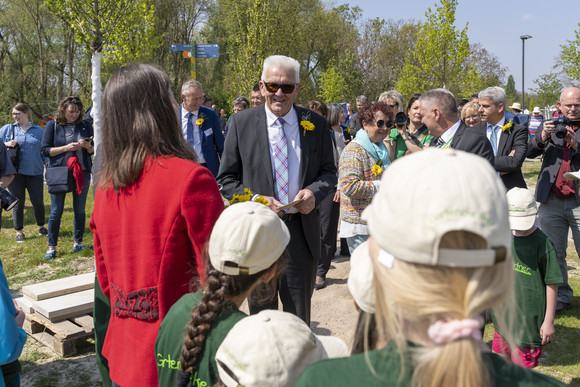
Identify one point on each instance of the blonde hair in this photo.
(410, 297)
(469, 109)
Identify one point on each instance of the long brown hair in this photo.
(139, 120)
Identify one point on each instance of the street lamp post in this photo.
(523, 38)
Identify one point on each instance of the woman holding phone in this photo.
(68, 142)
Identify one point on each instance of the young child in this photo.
(245, 249)
(271, 349)
(537, 275)
(12, 336)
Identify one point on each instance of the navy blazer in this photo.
(212, 138)
(54, 136)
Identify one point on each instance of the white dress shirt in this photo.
(292, 132)
(449, 133)
(196, 136)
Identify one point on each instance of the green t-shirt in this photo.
(355, 371)
(170, 340)
(401, 147)
(535, 266)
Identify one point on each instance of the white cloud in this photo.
(529, 16)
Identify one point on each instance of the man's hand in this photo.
(547, 131)
(571, 138)
(308, 201)
(274, 204)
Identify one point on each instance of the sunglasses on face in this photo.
(382, 124)
(273, 87)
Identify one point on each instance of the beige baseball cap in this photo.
(247, 238)
(572, 175)
(360, 279)
(427, 194)
(272, 348)
(522, 209)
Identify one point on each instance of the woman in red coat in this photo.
(154, 210)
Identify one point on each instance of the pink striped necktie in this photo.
(281, 164)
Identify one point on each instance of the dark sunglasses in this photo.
(273, 87)
(72, 99)
(382, 124)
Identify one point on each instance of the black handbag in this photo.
(59, 179)
(14, 152)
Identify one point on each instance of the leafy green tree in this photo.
(439, 57)
(121, 29)
(548, 90)
(510, 89)
(571, 56)
(332, 85)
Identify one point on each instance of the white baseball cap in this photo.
(272, 348)
(247, 238)
(572, 175)
(522, 209)
(427, 194)
(360, 279)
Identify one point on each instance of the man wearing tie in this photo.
(281, 151)
(439, 112)
(508, 140)
(201, 126)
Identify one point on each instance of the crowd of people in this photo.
(428, 196)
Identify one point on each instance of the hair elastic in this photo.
(443, 332)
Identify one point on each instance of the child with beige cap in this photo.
(247, 247)
(271, 349)
(537, 275)
(437, 268)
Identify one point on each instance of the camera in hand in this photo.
(7, 199)
(561, 122)
(401, 119)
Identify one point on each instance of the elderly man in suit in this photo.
(281, 151)
(560, 198)
(201, 126)
(508, 140)
(439, 112)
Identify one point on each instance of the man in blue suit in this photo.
(201, 126)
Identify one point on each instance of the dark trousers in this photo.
(329, 214)
(297, 285)
(35, 187)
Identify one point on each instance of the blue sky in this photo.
(498, 25)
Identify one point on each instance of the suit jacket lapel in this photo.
(263, 143)
(304, 146)
(457, 135)
(503, 137)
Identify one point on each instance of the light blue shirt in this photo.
(31, 161)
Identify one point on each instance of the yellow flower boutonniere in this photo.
(307, 125)
(378, 168)
(199, 121)
(508, 126)
(348, 129)
(247, 197)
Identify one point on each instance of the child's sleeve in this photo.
(549, 265)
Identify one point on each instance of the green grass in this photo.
(22, 261)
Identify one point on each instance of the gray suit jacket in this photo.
(515, 138)
(246, 163)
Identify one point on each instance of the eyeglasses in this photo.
(16, 114)
(416, 95)
(273, 87)
(381, 124)
(242, 99)
(72, 99)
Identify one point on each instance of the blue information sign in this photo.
(201, 50)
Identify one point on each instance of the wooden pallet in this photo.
(60, 336)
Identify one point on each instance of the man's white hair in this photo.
(281, 61)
